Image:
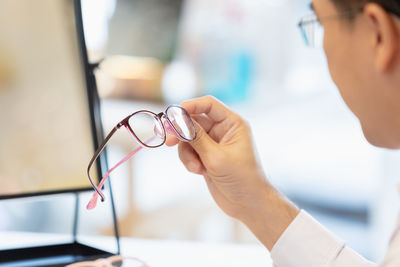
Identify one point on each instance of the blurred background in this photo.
(250, 55)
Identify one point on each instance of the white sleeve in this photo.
(392, 258)
(306, 243)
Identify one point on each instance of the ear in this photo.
(384, 36)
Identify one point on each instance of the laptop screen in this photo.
(45, 129)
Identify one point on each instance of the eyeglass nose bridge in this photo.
(160, 115)
(169, 128)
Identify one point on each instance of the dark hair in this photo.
(392, 6)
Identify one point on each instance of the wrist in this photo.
(269, 215)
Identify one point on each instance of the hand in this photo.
(224, 154)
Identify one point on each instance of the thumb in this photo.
(203, 144)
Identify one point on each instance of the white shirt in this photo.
(306, 243)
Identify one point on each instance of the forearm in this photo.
(269, 215)
(280, 226)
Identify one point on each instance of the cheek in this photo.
(333, 54)
(347, 66)
(340, 60)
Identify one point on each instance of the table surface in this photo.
(157, 253)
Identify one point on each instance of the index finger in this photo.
(209, 105)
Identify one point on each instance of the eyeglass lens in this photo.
(313, 32)
(147, 128)
(182, 122)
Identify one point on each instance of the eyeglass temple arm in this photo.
(92, 203)
(94, 158)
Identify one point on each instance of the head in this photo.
(363, 53)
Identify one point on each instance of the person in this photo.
(362, 46)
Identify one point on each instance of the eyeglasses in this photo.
(149, 130)
(312, 30)
(112, 261)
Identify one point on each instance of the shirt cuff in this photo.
(306, 243)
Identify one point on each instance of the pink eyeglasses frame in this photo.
(167, 127)
(106, 262)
